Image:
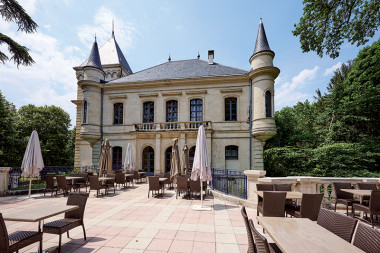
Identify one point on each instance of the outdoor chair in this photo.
(62, 185)
(17, 240)
(80, 182)
(182, 186)
(251, 243)
(154, 185)
(72, 218)
(168, 181)
(50, 185)
(372, 209)
(129, 179)
(95, 185)
(367, 239)
(110, 182)
(195, 187)
(364, 186)
(273, 204)
(120, 179)
(143, 176)
(262, 245)
(341, 225)
(263, 187)
(283, 187)
(310, 205)
(137, 177)
(342, 197)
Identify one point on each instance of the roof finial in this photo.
(261, 20)
(198, 56)
(113, 31)
(169, 59)
(95, 37)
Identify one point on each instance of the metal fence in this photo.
(20, 183)
(230, 182)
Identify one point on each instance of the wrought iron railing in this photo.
(18, 183)
(230, 182)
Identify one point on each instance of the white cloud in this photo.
(289, 93)
(331, 70)
(28, 5)
(125, 32)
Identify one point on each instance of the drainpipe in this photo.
(101, 120)
(250, 124)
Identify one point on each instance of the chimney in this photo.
(210, 57)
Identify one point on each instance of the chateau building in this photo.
(151, 107)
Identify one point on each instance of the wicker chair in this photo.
(62, 185)
(72, 219)
(263, 187)
(251, 243)
(110, 182)
(195, 187)
(120, 179)
(137, 177)
(95, 185)
(310, 205)
(262, 245)
(49, 179)
(283, 187)
(367, 239)
(168, 181)
(80, 182)
(341, 225)
(154, 185)
(143, 176)
(342, 197)
(182, 186)
(364, 186)
(372, 209)
(273, 204)
(17, 240)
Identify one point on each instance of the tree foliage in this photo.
(11, 11)
(338, 134)
(326, 24)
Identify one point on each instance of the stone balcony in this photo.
(170, 126)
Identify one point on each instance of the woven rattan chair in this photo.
(340, 224)
(251, 243)
(95, 185)
(263, 187)
(136, 177)
(182, 186)
(110, 182)
(367, 239)
(49, 179)
(283, 187)
(82, 182)
(168, 181)
(72, 219)
(342, 197)
(120, 179)
(142, 176)
(262, 245)
(17, 240)
(62, 185)
(273, 204)
(374, 206)
(194, 187)
(366, 186)
(154, 185)
(310, 205)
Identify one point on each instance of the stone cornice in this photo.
(171, 93)
(83, 83)
(77, 102)
(143, 95)
(268, 70)
(231, 90)
(195, 92)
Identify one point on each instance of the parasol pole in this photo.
(30, 186)
(201, 193)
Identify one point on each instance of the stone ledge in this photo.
(232, 199)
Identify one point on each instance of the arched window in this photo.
(118, 113)
(85, 111)
(148, 112)
(172, 111)
(232, 152)
(168, 159)
(268, 104)
(230, 106)
(148, 160)
(117, 154)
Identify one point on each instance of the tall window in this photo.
(196, 110)
(85, 112)
(191, 157)
(148, 112)
(172, 111)
(116, 158)
(268, 104)
(232, 152)
(230, 109)
(148, 160)
(118, 113)
(168, 159)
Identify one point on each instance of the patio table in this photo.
(361, 193)
(289, 195)
(303, 235)
(72, 178)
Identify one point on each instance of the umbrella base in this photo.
(201, 208)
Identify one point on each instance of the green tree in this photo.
(52, 124)
(11, 11)
(325, 24)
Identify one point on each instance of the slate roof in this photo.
(94, 58)
(262, 44)
(181, 70)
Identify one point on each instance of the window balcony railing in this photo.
(169, 126)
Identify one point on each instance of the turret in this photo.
(262, 76)
(92, 67)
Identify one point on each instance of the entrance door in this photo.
(148, 161)
(168, 159)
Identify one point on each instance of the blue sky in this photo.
(147, 31)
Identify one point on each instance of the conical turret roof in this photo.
(94, 58)
(262, 44)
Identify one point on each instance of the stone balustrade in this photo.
(188, 125)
